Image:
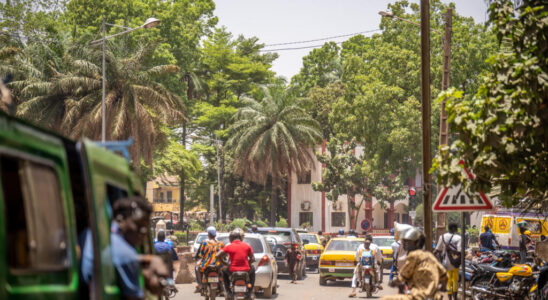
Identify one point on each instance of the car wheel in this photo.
(275, 287)
(323, 281)
(268, 292)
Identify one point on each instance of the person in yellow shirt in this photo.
(422, 272)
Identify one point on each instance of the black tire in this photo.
(323, 281)
(275, 287)
(268, 292)
(212, 293)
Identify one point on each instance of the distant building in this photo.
(308, 206)
(163, 193)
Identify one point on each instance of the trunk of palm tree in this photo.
(273, 201)
(182, 186)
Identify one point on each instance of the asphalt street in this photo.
(307, 289)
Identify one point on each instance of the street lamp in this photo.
(149, 23)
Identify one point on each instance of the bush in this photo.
(196, 225)
(261, 223)
(282, 223)
(181, 236)
(306, 225)
(238, 223)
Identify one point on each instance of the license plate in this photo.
(341, 264)
(314, 258)
(332, 270)
(213, 279)
(240, 289)
(367, 280)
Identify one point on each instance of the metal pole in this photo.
(211, 204)
(219, 185)
(462, 255)
(444, 130)
(103, 128)
(426, 130)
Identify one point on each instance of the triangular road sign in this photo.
(454, 199)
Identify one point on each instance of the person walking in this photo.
(449, 246)
(487, 240)
(525, 242)
(292, 257)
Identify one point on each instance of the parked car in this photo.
(266, 268)
(385, 244)
(280, 238)
(313, 248)
(339, 259)
(200, 238)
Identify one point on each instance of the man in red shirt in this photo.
(241, 258)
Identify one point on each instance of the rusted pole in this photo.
(426, 129)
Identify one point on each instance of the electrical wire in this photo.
(323, 39)
(296, 48)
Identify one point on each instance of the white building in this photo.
(308, 206)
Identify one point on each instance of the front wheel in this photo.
(369, 291)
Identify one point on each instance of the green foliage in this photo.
(419, 217)
(176, 160)
(306, 225)
(270, 137)
(282, 223)
(239, 223)
(501, 130)
(196, 225)
(181, 236)
(261, 223)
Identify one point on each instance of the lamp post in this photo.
(149, 23)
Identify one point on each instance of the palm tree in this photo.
(271, 137)
(69, 100)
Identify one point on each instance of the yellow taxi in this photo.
(313, 248)
(338, 259)
(385, 244)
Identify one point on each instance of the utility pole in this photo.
(211, 204)
(444, 130)
(220, 185)
(426, 129)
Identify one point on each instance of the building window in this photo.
(405, 218)
(169, 197)
(306, 217)
(161, 200)
(35, 224)
(305, 178)
(338, 219)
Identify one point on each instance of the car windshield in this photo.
(255, 243)
(344, 245)
(281, 237)
(200, 238)
(383, 241)
(310, 237)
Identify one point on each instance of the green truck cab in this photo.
(52, 190)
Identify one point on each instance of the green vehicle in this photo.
(52, 189)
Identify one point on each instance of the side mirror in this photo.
(279, 254)
(306, 242)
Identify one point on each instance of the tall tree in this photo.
(502, 134)
(271, 137)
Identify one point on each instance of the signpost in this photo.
(455, 199)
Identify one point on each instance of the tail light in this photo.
(239, 283)
(264, 260)
(327, 262)
(313, 251)
(212, 274)
(287, 244)
(366, 270)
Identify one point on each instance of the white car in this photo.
(200, 238)
(266, 268)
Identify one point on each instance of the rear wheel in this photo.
(323, 281)
(268, 292)
(212, 293)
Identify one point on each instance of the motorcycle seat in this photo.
(490, 268)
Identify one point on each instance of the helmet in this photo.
(341, 231)
(212, 231)
(413, 239)
(527, 232)
(236, 234)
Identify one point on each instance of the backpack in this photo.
(453, 255)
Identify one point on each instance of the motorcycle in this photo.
(368, 277)
(211, 282)
(169, 290)
(241, 287)
(516, 282)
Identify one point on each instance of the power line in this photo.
(323, 39)
(295, 48)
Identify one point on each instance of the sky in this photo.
(280, 21)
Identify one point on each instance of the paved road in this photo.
(307, 289)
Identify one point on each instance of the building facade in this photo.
(308, 207)
(163, 193)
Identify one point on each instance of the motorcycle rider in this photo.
(422, 272)
(365, 249)
(206, 253)
(241, 259)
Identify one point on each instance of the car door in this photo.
(38, 251)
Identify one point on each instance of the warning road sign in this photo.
(455, 199)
